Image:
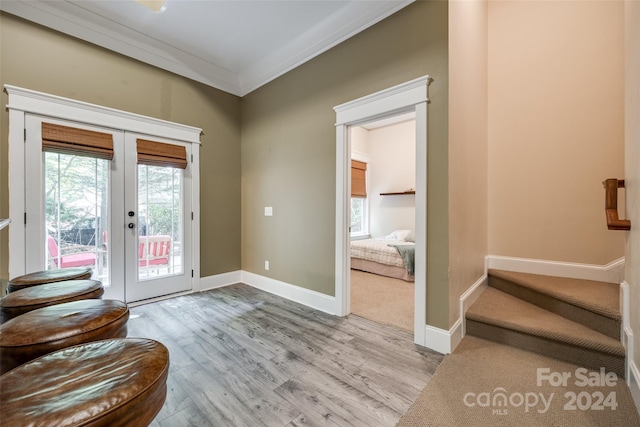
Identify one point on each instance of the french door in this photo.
(158, 220)
(126, 214)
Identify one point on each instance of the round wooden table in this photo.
(34, 297)
(48, 276)
(52, 328)
(115, 383)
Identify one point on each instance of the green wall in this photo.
(41, 59)
(287, 131)
(289, 153)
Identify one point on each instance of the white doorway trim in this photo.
(25, 101)
(411, 96)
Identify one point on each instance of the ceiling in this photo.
(233, 45)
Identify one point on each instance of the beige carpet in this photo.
(382, 299)
(480, 370)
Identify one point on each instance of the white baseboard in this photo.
(626, 331)
(219, 280)
(444, 341)
(457, 333)
(612, 272)
(441, 340)
(632, 373)
(469, 297)
(633, 381)
(312, 299)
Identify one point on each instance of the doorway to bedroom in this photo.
(382, 221)
(406, 98)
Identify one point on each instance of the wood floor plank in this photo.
(215, 401)
(187, 417)
(394, 394)
(243, 357)
(177, 400)
(321, 410)
(362, 406)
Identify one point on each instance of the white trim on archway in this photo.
(403, 98)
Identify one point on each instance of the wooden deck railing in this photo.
(611, 205)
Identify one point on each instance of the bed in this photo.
(383, 257)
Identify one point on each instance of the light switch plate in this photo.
(268, 211)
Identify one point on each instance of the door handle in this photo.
(131, 225)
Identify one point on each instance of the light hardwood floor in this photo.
(243, 357)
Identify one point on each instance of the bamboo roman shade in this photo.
(78, 142)
(358, 179)
(154, 153)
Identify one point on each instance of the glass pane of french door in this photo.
(160, 224)
(76, 207)
(132, 224)
(158, 231)
(72, 204)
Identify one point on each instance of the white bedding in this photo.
(378, 250)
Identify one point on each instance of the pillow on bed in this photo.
(411, 237)
(399, 235)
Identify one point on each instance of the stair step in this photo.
(501, 317)
(591, 303)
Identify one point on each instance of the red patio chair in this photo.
(78, 259)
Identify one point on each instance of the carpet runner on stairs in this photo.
(578, 321)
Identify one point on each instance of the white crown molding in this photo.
(349, 21)
(83, 24)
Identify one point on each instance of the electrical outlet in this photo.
(268, 211)
(266, 265)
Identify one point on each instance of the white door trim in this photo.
(25, 101)
(406, 97)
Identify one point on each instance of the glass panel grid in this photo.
(76, 213)
(160, 225)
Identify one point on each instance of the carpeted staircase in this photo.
(578, 321)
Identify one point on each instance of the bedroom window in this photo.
(359, 201)
(359, 224)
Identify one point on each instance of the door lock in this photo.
(131, 213)
(131, 225)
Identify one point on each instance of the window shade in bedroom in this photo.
(152, 153)
(358, 179)
(78, 142)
